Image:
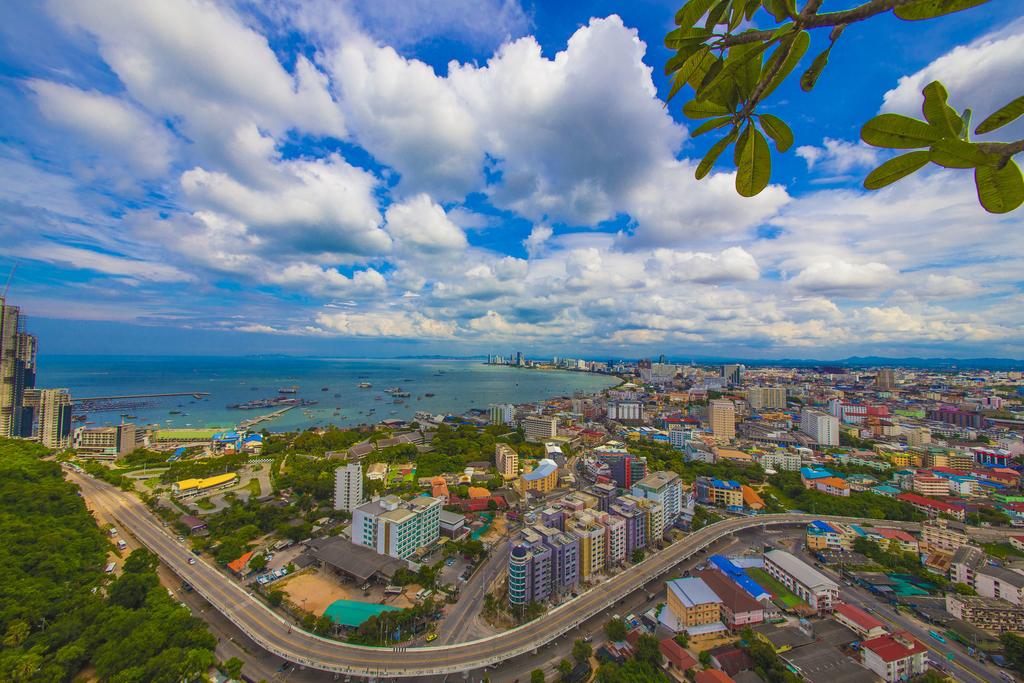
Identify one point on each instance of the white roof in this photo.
(800, 570)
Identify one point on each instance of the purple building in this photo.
(636, 523)
(957, 416)
(543, 563)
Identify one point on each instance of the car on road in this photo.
(431, 637)
(449, 562)
(191, 560)
(181, 539)
(936, 636)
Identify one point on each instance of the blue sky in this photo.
(382, 177)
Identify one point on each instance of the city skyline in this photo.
(353, 179)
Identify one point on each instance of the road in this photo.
(970, 669)
(276, 635)
(471, 597)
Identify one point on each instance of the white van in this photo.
(121, 545)
(111, 567)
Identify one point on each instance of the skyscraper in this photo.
(733, 374)
(766, 397)
(885, 380)
(722, 418)
(55, 418)
(12, 376)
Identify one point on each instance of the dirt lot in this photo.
(497, 530)
(320, 590)
(317, 590)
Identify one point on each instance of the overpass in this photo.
(276, 635)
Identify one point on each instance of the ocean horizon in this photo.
(455, 385)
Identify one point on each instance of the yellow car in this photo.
(431, 636)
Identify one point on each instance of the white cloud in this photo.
(732, 264)
(108, 124)
(398, 324)
(323, 206)
(328, 281)
(418, 224)
(844, 278)
(110, 264)
(534, 242)
(972, 74)
(838, 156)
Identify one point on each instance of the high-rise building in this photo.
(506, 461)
(767, 398)
(348, 486)
(106, 442)
(820, 426)
(540, 427)
(502, 413)
(55, 418)
(629, 412)
(664, 488)
(12, 376)
(733, 374)
(885, 380)
(722, 418)
(395, 527)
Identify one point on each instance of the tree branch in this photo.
(1004, 150)
(810, 19)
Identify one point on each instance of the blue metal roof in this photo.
(738, 576)
(544, 469)
(823, 526)
(814, 473)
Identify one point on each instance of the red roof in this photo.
(858, 616)
(950, 470)
(238, 565)
(915, 499)
(712, 676)
(892, 648)
(898, 534)
(674, 653)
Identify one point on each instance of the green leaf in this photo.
(957, 153)
(777, 8)
(794, 46)
(711, 124)
(965, 123)
(942, 116)
(741, 142)
(894, 169)
(755, 167)
(686, 70)
(810, 76)
(896, 131)
(778, 130)
(689, 13)
(683, 36)
(702, 109)
(929, 9)
(715, 16)
(699, 68)
(705, 165)
(1000, 190)
(1001, 117)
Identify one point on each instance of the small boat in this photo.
(428, 394)
(337, 396)
(325, 389)
(288, 390)
(175, 412)
(364, 385)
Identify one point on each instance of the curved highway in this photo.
(273, 633)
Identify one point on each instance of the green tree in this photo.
(232, 668)
(258, 562)
(648, 650)
(615, 629)
(564, 668)
(637, 556)
(1013, 645)
(682, 639)
(275, 597)
(704, 658)
(732, 69)
(581, 650)
(537, 676)
(963, 589)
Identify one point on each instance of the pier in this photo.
(252, 421)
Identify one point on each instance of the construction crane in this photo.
(10, 277)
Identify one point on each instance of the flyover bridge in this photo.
(276, 635)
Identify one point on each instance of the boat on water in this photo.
(288, 390)
(398, 400)
(175, 412)
(364, 385)
(325, 388)
(337, 396)
(428, 394)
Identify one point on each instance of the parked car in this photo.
(191, 560)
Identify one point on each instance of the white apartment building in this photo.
(348, 486)
(664, 488)
(821, 427)
(395, 527)
(722, 418)
(779, 461)
(502, 413)
(540, 427)
(810, 585)
(54, 418)
(626, 411)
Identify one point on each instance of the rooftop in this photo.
(731, 595)
(693, 591)
(892, 648)
(859, 617)
(800, 570)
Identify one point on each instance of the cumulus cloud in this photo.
(419, 224)
(732, 264)
(844, 278)
(109, 125)
(969, 72)
(399, 324)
